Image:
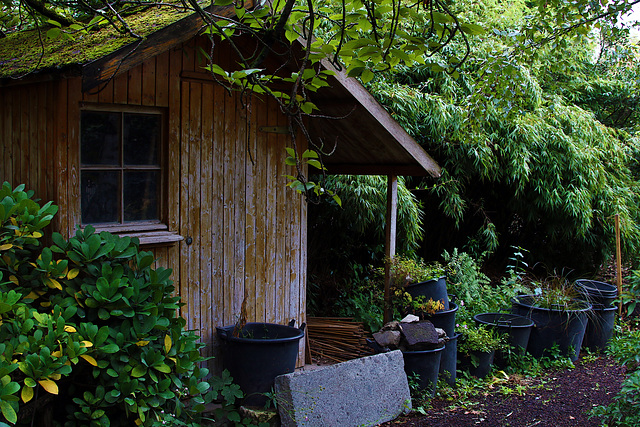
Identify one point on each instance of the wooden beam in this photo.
(390, 241)
(374, 169)
(100, 71)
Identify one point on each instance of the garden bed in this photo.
(558, 398)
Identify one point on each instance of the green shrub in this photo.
(480, 338)
(89, 320)
(624, 411)
(474, 291)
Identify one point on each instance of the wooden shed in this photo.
(140, 140)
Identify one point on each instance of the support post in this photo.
(390, 241)
(619, 263)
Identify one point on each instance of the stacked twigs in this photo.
(336, 339)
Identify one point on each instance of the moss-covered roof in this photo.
(30, 51)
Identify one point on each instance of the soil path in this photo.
(562, 398)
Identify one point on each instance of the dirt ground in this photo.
(558, 399)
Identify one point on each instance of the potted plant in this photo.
(517, 328)
(256, 353)
(477, 348)
(419, 278)
(559, 315)
(405, 303)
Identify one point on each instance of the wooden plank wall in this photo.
(36, 122)
(226, 190)
(247, 227)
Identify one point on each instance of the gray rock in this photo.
(366, 391)
(391, 326)
(387, 338)
(419, 336)
(410, 318)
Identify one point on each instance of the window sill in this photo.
(156, 238)
(149, 235)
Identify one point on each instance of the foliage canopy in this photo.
(366, 37)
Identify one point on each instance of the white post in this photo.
(390, 241)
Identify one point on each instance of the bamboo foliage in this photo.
(522, 163)
(363, 210)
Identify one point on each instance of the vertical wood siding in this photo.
(226, 189)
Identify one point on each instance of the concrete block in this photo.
(361, 392)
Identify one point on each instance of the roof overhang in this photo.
(361, 135)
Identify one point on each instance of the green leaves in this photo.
(472, 29)
(97, 323)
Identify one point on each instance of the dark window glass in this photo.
(100, 191)
(142, 139)
(100, 136)
(141, 195)
(120, 167)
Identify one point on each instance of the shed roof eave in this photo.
(422, 159)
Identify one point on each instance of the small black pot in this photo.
(436, 289)
(445, 319)
(518, 328)
(600, 327)
(426, 365)
(478, 363)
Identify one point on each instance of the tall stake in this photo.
(619, 263)
(390, 242)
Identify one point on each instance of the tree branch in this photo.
(39, 6)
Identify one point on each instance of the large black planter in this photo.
(595, 292)
(554, 326)
(478, 363)
(259, 353)
(449, 360)
(426, 364)
(600, 327)
(445, 319)
(518, 328)
(436, 289)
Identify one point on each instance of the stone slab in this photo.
(361, 392)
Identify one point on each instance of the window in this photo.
(121, 168)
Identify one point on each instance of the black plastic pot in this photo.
(600, 327)
(478, 363)
(553, 326)
(436, 289)
(517, 327)
(445, 319)
(259, 353)
(449, 359)
(597, 292)
(426, 364)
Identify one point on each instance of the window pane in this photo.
(141, 138)
(100, 196)
(100, 138)
(141, 195)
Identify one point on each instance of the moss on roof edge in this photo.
(30, 51)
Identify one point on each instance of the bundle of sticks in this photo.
(336, 339)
